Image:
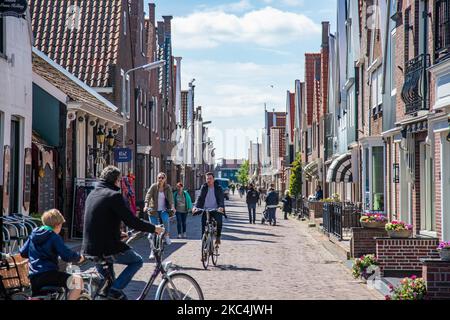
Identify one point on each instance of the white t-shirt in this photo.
(161, 201)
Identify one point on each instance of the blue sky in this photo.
(243, 54)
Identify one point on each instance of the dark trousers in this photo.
(251, 212)
(181, 222)
(219, 220)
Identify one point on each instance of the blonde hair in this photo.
(52, 218)
(287, 193)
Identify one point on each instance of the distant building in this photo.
(228, 169)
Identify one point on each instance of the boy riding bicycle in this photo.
(43, 248)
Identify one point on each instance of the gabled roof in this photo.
(90, 48)
(75, 89)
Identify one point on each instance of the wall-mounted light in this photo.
(100, 135)
(110, 139)
(396, 173)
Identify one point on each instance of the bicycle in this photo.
(209, 250)
(19, 292)
(174, 285)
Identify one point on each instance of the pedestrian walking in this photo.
(159, 200)
(260, 195)
(252, 200)
(287, 205)
(241, 191)
(272, 201)
(183, 205)
(233, 188)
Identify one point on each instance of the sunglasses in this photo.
(161, 178)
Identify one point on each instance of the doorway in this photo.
(445, 161)
(15, 166)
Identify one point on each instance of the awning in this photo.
(311, 170)
(341, 169)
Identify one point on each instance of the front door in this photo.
(15, 167)
(445, 160)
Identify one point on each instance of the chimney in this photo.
(325, 33)
(168, 24)
(152, 13)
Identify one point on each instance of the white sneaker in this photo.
(179, 236)
(168, 241)
(152, 255)
(184, 235)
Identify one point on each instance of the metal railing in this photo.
(339, 218)
(414, 92)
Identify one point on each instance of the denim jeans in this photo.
(251, 212)
(133, 263)
(181, 222)
(272, 215)
(164, 217)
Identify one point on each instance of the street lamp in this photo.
(125, 102)
(110, 139)
(100, 135)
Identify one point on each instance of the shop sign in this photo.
(13, 7)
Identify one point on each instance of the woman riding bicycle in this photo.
(158, 201)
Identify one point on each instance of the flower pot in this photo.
(445, 254)
(399, 233)
(373, 224)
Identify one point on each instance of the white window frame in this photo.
(124, 22)
(376, 89)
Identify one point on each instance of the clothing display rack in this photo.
(81, 190)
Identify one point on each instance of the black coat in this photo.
(287, 204)
(252, 196)
(105, 209)
(218, 192)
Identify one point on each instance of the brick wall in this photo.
(404, 255)
(436, 274)
(363, 241)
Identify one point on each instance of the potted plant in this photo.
(363, 267)
(410, 289)
(444, 250)
(373, 220)
(398, 229)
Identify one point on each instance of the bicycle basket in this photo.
(17, 275)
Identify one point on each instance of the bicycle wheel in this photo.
(214, 252)
(179, 286)
(205, 251)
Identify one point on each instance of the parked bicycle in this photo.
(174, 285)
(209, 250)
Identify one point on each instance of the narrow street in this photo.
(258, 262)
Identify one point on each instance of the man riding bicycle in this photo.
(105, 209)
(211, 198)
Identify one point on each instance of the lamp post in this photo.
(125, 102)
(106, 143)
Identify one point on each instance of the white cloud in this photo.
(267, 27)
(239, 90)
(291, 3)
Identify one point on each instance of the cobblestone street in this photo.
(258, 262)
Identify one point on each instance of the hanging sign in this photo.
(13, 7)
(122, 155)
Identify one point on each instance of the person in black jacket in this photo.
(252, 200)
(287, 205)
(272, 201)
(211, 198)
(105, 209)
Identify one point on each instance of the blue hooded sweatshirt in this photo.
(43, 248)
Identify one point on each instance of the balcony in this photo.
(415, 89)
(442, 32)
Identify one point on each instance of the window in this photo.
(376, 99)
(142, 40)
(2, 36)
(124, 23)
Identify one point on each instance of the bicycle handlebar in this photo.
(201, 211)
